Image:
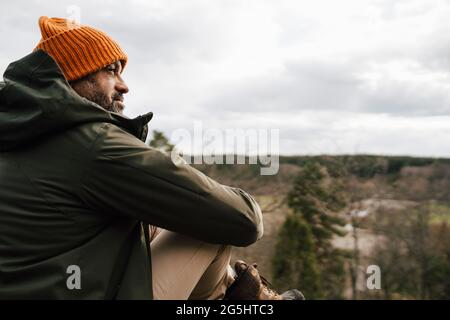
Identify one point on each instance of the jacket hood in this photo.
(36, 100)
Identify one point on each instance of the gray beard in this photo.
(92, 93)
(103, 101)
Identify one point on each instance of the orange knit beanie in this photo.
(79, 50)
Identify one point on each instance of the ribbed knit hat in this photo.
(79, 50)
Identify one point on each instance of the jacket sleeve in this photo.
(128, 178)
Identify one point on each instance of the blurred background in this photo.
(360, 93)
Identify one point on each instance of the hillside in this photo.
(378, 185)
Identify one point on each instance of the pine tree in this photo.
(315, 199)
(160, 141)
(295, 263)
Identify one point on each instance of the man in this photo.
(79, 189)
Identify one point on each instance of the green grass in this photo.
(440, 212)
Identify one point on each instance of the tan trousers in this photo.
(185, 268)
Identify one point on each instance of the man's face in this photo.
(104, 87)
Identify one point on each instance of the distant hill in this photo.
(385, 171)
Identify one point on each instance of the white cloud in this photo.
(334, 76)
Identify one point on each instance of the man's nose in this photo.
(121, 86)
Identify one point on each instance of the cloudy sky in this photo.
(348, 76)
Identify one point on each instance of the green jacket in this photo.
(78, 186)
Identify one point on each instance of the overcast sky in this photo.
(348, 76)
